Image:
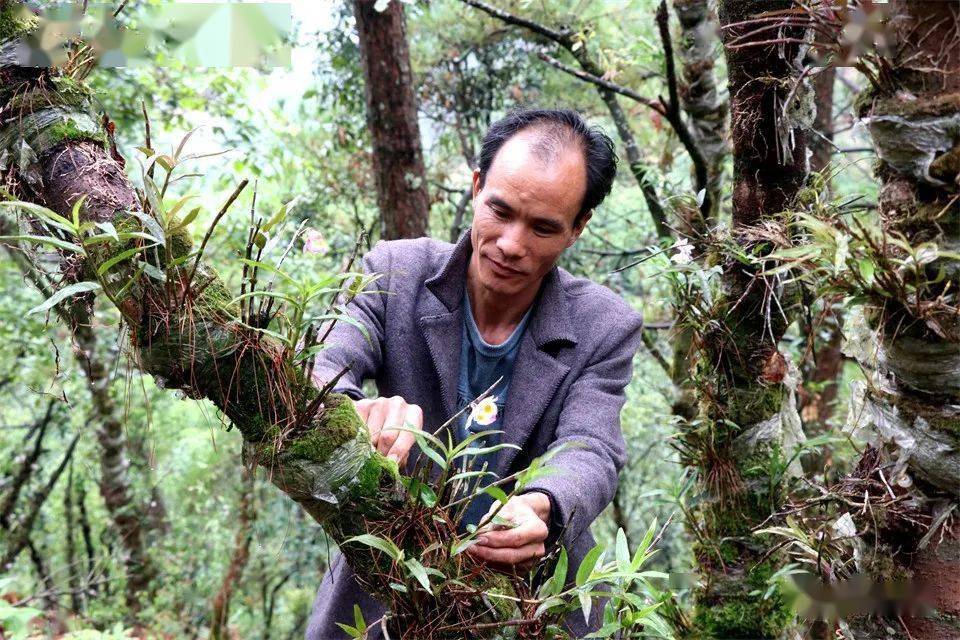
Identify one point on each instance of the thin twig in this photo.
(206, 237)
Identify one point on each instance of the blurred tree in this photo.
(392, 119)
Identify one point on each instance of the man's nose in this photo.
(511, 242)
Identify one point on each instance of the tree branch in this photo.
(564, 38)
(603, 83)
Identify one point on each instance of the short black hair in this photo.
(560, 128)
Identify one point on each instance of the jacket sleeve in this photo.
(347, 347)
(583, 475)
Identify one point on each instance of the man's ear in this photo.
(476, 182)
(578, 229)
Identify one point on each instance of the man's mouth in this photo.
(502, 269)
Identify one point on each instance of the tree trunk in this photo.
(392, 120)
(914, 121)
(699, 94)
(823, 363)
(73, 566)
(238, 561)
(126, 513)
(183, 328)
(748, 423)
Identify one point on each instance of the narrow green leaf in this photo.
(53, 242)
(109, 229)
(589, 563)
(417, 571)
(358, 620)
(63, 294)
(120, 257)
(497, 494)
(387, 546)
(559, 578)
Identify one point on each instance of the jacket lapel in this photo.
(442, 334)
(442, 324)
(536, 374)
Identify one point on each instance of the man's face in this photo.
(523, 217)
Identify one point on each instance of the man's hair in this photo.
(557, 129)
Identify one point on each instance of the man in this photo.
(495, 308)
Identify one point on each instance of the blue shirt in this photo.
(481, 365)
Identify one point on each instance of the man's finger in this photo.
(529, 531)
(396, 413)
(377, 414)
(414, 416)
(362, 408)
(401, 447)
(511, 556)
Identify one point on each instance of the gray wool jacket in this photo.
(575, 358)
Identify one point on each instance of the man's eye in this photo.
(499, 213)
(543, 230)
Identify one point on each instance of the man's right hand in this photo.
(382, 417)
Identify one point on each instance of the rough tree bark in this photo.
(392, 120)
(914, 121)
(183, 329)
(699, 94)
(707, 115)
(748, 425)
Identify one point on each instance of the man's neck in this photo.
(496, 316)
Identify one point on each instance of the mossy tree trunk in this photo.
(184, 331)
(748, 426)
(912, 405)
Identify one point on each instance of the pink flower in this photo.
(314, 242)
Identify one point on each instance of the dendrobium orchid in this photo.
(484, 413)
(314, 242)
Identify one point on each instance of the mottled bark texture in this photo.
(184, 331)
(392, 120)
(912, 407)
(128, 516)
(748, 426)
(698, 50)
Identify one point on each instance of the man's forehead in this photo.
(532, 151)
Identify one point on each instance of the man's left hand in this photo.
(522, 543)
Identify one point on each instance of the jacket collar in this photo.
(550, 321)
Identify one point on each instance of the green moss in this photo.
(939, 105)
(743, 619)
(749, 405)
(179, 241)
(65, 92)
(377, 472)
(67, 130)
(16, 20)
(339, 424)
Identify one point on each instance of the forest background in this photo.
(127, 509)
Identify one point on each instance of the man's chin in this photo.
(503, 286)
